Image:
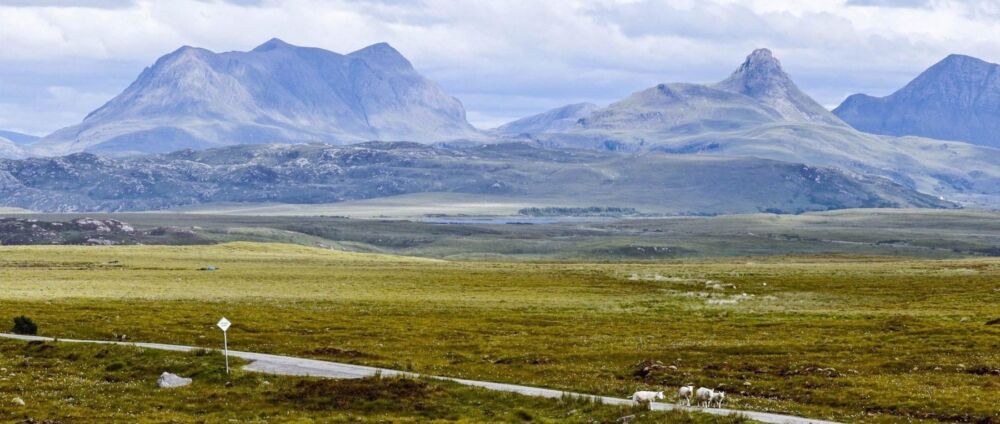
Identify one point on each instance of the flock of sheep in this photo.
(706, 397)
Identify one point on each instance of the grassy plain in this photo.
(85, 383)
(856, 339)
(924, 233)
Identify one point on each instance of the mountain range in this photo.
(275, 93)
(755, 126)
(758, 111)
(655, 182)
(956, 99)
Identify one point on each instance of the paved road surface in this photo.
(287, 365)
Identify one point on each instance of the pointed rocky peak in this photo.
(273, 44)
(760, 59)
(758, 74)
(382, 55)
(760, 77)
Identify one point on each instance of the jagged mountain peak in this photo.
(758, 74)
(760, 64)
(761, 77)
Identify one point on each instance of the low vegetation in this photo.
(61, 382)
(854, 339)
(24, 325)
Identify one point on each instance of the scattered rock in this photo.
(18, 401)
(648, 367)
(626, 419)
(168, 380)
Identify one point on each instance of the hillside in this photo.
(558, 119)
(323, 174)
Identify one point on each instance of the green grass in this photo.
(906, 339)
(86, 383)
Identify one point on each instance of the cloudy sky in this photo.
(504, 59)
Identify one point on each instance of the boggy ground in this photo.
(855, 339)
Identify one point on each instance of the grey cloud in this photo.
(916, 4)
(101, 4)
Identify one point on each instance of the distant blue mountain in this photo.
(18, 138)
(276, 93)
(956, 99)
(555, 120)
(12, 144)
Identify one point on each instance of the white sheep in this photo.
(684, 394)
(704, 396)
(717, 398)
(646, 396)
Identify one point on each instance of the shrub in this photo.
(24, 325)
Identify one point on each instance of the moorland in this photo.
(844, 337)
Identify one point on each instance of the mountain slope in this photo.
(322, 173)
(761, 78)
(956, 99)
(276, 93)
(555, 120)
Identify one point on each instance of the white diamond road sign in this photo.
(224, 324)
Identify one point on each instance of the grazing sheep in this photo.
(646, 396)
(717, 398)
(704, 396)
(684, 394)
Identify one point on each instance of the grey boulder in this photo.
(168, 381)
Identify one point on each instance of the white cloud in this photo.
(502, 58)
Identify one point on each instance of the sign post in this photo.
(224, 325)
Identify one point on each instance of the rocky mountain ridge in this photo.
(275, 93)
(957, 98)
